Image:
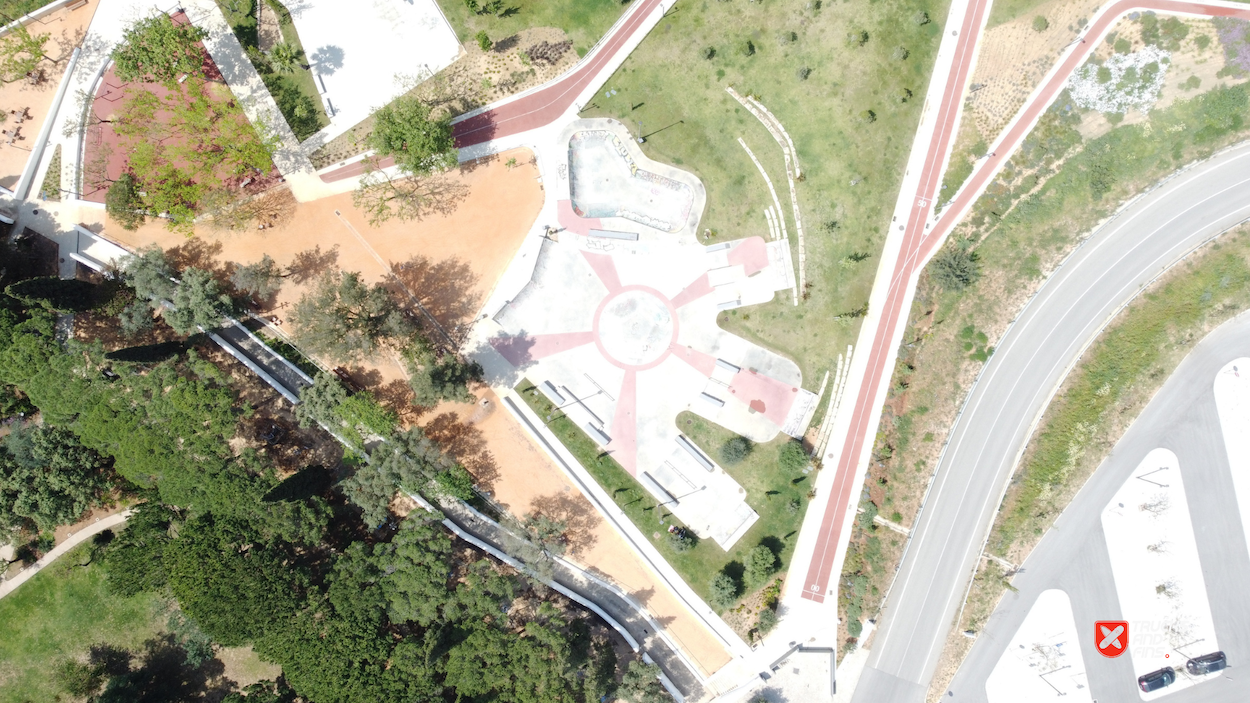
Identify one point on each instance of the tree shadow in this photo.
(466, 444)
(326, 59)
(397, 396)
(311, 263)
(774, 544)
(445, 288)
(198, 253)
(163, 674)
(579, 518)
(506, 44)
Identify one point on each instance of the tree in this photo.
(724, 590)
(133, 560)
(793, 456)
(263, 692)
(405, 130)
(955, 267)
(149, 272)
(548, 532)
(409, 462)
(54, 293)
(761, 563)
(261, 279)
(285, 58)
(20, 54)
(157, 50)
(446, 379)
(198, 303)
(347, 320)
(483, 41)
(767, 621)
(123, 203)
(233, 584)
(382, 196)
(48, 478)
(641, 684)
(735, 449)
(1040, 24)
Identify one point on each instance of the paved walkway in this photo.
(115, 520)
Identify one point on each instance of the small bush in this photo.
(483, 41)
(681, 541)
(858, 38)
(793, 457)
(709, 53)
(854, 628)
(794, 506)
(920, 18)
(1122, 46)
(724, 590)
(803, 73)
(1103, 75)
(867, 117)
(761, 563)
(747, 48)
(736, 449)
(767, 621)
(955, 267)
(1202, 41)
(904, 94)
(900, 53)
(1040, 24)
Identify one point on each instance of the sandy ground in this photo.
(65, 30)
(1046, 642)
(1158, 576)
(1013, 58)
(450, 262)
(521, 478)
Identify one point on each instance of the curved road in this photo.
(1182, 417)
(1032, 358)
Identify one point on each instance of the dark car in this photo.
(1206, 664)
(1156, 680)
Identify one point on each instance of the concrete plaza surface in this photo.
(617, 326)
(365, 54)
(1043, 661)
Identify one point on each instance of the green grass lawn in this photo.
(584, 21)
(296, 93)
(769, 492)
(59, 614)
(668, 90)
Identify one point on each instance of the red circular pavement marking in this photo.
(668, 348)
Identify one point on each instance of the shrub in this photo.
(761, 563)
(793, 506)
(854, 628)
(803, 73)
(904, 94)
(955, 267)
(483, 41)
(736, 449)
(681, 541)
(747, 48)
(867, 117)
(1202, 41)
(1122, 46)
(123, 203)
(709, 53)
(767, 621)
(858, 38)
(724, 589)
(793, 457)
(1040, 24)
(921, 18)
(900, 53)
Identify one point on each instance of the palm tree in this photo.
(285, 58)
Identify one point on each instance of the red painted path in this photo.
(917, 245)
(539, 108)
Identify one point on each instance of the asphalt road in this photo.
(1031, 359)
(1073, 556)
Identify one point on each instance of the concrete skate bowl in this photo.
(605, 181)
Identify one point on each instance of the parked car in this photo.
(1206, 664)
(1156, 680)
